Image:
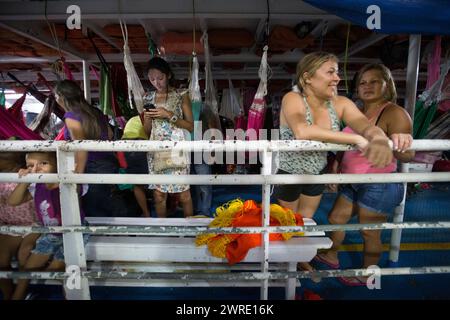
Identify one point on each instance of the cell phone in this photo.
(149, 106)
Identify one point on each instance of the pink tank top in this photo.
(355, 162)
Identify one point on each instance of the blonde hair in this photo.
(386, 74)
(309, 64)
(50, 156)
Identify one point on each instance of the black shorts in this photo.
(291, 192)
(136, 162)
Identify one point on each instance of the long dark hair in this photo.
(12, 161)
(163, 66)
(74, 101)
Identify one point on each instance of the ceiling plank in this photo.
(98, 31)
(363, 44)
(35, 33)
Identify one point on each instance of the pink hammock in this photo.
(10, 126)
(256, 116)
(16, 109)
(258, 108)
(66, 69)
(240, 122)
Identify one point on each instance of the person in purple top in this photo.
(85, 122)
(48, 252)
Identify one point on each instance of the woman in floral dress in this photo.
(169, 120)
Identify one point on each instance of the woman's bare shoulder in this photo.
(292, 101)
(395, 111)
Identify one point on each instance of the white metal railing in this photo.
(73, 243)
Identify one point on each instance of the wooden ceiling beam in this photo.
(36, 34)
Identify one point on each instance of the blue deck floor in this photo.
(425, 205)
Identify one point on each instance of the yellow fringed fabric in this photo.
(223, 218)
(285, 217)
(234, 210)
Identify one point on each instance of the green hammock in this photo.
(2, 98)
(196, 109)
(423, 116)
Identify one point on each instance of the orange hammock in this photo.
(236, 213)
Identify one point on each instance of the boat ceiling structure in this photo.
(237, 31)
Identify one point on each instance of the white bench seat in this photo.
(171, 250)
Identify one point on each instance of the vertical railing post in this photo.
(412, 75)
(266, 171)
(396, 234)
(75, 287)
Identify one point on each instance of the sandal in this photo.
(332, 265)
(352, 281)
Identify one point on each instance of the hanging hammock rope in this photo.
(52, 29)
(257, 110)
(210, 90)
(135, 90)
(194, 85)
(210, 109)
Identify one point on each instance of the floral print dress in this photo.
(164, 130)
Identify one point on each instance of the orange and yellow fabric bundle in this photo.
(237, 213)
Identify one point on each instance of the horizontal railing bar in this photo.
(227, 179)
(221, 276)
(30, 178)
(195, 230)
(207, 145)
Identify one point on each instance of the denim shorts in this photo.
(52, 244)
(376, 197)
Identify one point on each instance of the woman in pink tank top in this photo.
(373, 203)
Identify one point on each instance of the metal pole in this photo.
(412, 74)
(396, 234)
(266, 171)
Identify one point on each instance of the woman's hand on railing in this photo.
(379, 153)
(401, 141)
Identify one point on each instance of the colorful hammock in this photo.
(258, 108)
(236, 213)
(2, 99)
(195, 96)
(16, 108)
(427, 105)
(10, 126)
